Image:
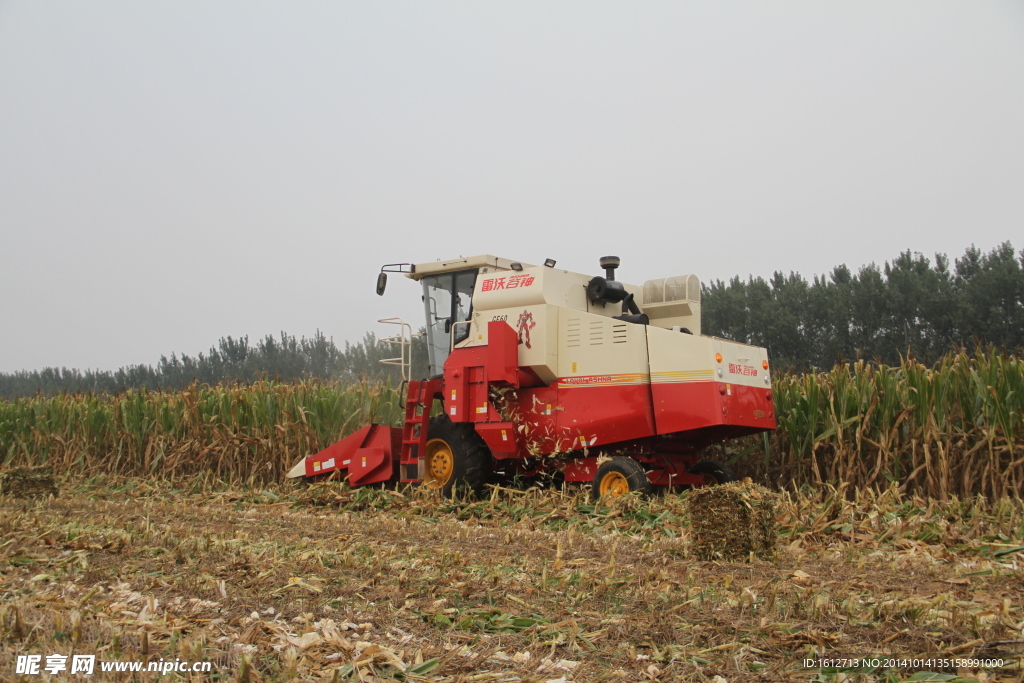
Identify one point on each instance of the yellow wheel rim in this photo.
(614, 484)
(440, 463)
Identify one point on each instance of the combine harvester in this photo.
(540, 370)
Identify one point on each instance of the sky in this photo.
(175, 172)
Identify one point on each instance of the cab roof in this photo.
(422, 270)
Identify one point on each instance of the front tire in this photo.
(714, 472)
(457, 459)
(620, 476)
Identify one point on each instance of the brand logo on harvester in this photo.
(737, 369)
(596, 379)
(525, 324)
(513, 282)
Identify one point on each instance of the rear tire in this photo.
(620, 476)
(714, 472)
(457, 459)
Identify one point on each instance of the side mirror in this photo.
(382, 282)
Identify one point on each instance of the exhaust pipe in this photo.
(609, 263)
(605, 290)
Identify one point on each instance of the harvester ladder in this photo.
(418, 403)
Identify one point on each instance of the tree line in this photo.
(283, 358)
(912, 306)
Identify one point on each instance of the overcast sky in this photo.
(175, 172)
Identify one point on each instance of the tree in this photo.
(908, 306)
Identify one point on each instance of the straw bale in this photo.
(28, 482)
(733, 520)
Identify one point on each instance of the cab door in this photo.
(447, 300)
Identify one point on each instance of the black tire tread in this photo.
(472, 457)
(630, 468)
(718, 470)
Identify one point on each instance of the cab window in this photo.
(448, 300)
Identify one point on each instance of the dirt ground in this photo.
(327, 583)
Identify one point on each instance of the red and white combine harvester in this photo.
(540, 370)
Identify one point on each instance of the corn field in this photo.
(238, 433)
(953, 429)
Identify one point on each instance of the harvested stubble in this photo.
(28, 482)
(733, 521)
(384, 585)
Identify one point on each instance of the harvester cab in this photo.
(448, 304)
(539, 370)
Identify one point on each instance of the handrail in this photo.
(404, 341)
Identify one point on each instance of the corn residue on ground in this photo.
(327, 584)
